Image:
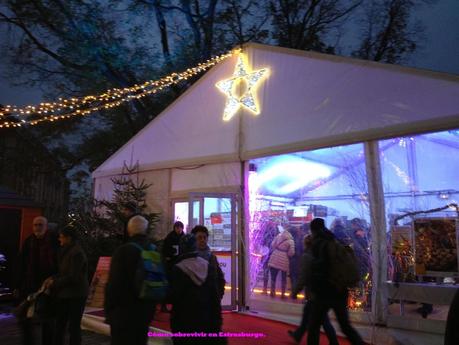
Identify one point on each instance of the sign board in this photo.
(99, 280)
(219, 225)
(224, 259)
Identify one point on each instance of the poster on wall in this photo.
(99, 280)
(224, 260)
(436, 246)
(219, 225)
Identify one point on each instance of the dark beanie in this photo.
(187, 244)
(69, 231)
(317, 224)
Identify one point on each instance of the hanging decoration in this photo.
(13, 116)
(247, 98)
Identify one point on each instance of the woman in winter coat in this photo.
(70, 286)
(283, 248)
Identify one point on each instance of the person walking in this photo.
(325, 295)
(127, 314)
(304, 283)
(36, 262)
(70, 287)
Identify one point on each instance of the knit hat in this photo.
(317, 224)
(187, 244)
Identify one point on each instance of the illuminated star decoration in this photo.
(234, 102)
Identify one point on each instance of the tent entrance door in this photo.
(218, 212)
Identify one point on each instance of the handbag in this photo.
(40, 305)
(20, 312)
(44, 305)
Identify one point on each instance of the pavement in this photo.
(10, 334)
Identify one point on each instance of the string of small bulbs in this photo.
(14, 116)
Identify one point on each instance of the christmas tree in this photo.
(101, 223)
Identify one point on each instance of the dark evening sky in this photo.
(439, 52)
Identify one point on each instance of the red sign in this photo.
(99, 280)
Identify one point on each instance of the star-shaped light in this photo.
(234, 102)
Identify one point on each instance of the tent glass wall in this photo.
(285, 193)
(421, 188)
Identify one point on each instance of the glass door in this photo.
(218, 212)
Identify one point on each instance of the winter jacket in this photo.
(212, 259)
(195, 295)
(170, 250)
(322, 252)
(304, 278)
(71, 280)
(282, 248)
(123, 307)
(36, 262)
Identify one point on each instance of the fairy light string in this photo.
(13, 116)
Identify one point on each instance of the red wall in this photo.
(28, 214)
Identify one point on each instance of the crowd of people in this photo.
(56, 266)
(282, 250)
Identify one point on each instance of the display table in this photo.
(430, 293)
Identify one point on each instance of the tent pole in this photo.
(378, 232)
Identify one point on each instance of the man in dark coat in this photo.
(128, 315)
(36, 262)
(326, 296)
(304, 281)
(70, 286)
(195, 296)
(171, 245)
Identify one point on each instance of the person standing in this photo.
(36, 262)
(171, 245)
(195, 296)
(128, 210)
(170, 252)
(295, 260)
(326, 296)
(70, 287)
(127, 314)
(202, 236)
(283, 248)
(269, 231)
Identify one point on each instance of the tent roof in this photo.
(309, 100)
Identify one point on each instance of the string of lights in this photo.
(14, 116)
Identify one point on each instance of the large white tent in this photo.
(307, 101)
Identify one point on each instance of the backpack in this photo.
(150, 276)
(344, 267)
